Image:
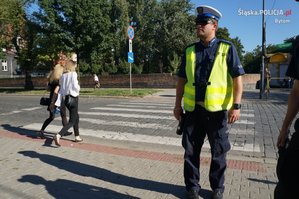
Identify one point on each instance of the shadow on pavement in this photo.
(28, 133)
(278, 96)
(205, 194)
(167, 95)
(82, 169)
(66, 189)
(19, 130)
(262, 181)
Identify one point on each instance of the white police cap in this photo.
(204, 11)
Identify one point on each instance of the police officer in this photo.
(287, 186)
(210, 84)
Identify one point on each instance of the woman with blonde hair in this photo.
(69, 92)
(53, 86)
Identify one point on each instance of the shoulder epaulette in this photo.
(225, 41)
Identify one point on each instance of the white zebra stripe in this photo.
(128, 115)
(127, 123)
(133, 110)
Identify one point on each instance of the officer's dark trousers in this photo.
(198, 124)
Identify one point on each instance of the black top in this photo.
(293, 69)
(52, 85)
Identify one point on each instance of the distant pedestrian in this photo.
(210, 83)
(69, 91)
(267, 79)
(96, 81)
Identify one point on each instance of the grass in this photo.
(123, 92)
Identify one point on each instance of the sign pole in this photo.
(130, 78)
(130, 32)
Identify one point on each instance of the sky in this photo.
(243, 19)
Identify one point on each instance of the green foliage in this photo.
(223, 33)
(174, 63)
(166, 28)
(136, 69)
(123, 67)
(252, 60)
(12, 20)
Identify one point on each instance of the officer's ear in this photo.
(215, 23)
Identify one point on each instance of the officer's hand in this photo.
(233, 115)
(282, 138)
(177, 112)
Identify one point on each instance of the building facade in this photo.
(9, 67)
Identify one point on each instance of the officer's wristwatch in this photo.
(236, 106)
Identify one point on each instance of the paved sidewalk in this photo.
(34, 168)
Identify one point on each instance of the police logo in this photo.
(199, 10)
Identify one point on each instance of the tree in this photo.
(97, 32)
(12, 21)
(165, 29)
(79, 26)
(252, 60)
(223, 33)
(120, 21)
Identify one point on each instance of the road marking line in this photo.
(129, 115)
(24, 109)
(132, 110)
(127, 124)
(244, 122)
(31, 109)
(138, 106)
(147, 103)
(246, 115)
(11, 113)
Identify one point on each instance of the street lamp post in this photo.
(263, 53)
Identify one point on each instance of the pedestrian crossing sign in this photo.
(130, 57)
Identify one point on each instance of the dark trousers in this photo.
(52, 116)
(74, 118)
(284, 192)
(198, 124)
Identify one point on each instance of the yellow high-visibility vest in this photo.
(219, 93)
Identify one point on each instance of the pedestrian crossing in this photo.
(20, 111)
(144, 122)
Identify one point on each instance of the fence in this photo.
(155, 80)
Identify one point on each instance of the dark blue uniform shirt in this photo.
(293, 68)
(205, 57)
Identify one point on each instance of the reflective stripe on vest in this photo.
(219, 94)
(189, 89)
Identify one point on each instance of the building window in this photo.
(4, 65)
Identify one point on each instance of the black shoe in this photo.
(68, 133)
(217, 194)
(41, 135)
(192, 194)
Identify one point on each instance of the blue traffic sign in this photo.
(130, 57)
(130, 32)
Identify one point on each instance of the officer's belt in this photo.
(203, 84)
(200, 103)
